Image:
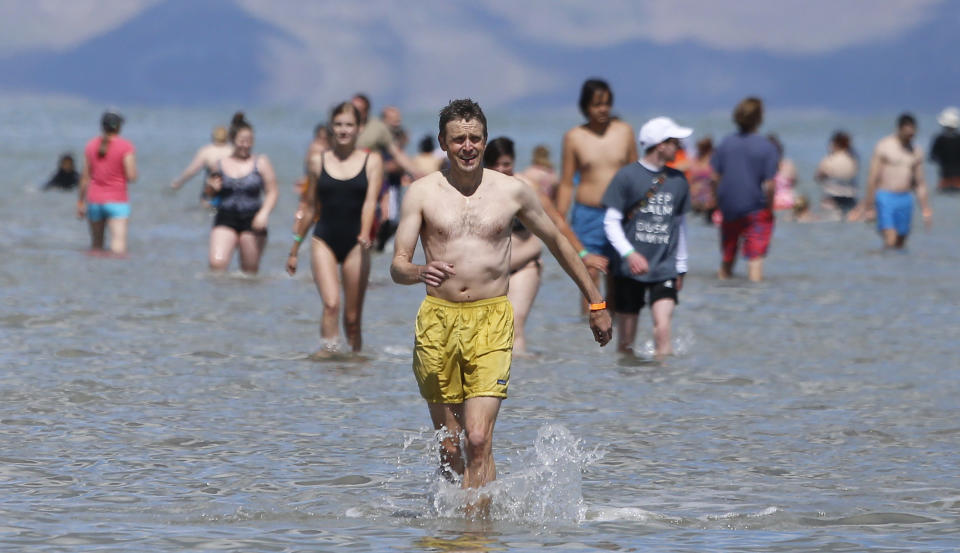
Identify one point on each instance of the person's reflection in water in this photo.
(466, 541)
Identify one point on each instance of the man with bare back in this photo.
(596, 150)
(464, 331)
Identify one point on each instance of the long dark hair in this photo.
(110, 124)
(501, 146)
(589, 89)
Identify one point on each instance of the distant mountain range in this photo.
(213, 52)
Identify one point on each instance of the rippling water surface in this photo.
(146, 405)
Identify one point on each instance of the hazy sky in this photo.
(448, 48)
(793, 26)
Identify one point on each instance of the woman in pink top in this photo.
(110, 165)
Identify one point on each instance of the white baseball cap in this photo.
(950, 118)
(659, 129)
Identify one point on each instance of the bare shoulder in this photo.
(620, 126)
(375, 159)
(422, 187)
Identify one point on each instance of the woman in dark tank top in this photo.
(342, 188)
(247, 188)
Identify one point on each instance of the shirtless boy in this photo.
(596, 150)
(464, 331)
(896, 174)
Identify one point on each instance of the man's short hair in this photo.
(748, 114)
(906, 119)
(363, 98)
(464, 109)
(589, 89)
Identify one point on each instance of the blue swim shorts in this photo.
(113, 210)
(894, 210)
(587, 223)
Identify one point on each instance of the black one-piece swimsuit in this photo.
(341, 204)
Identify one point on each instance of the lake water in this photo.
(146, 405)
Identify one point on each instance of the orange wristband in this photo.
(598, 306)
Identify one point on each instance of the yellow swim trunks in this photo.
(463, 350)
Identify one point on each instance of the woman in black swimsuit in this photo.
(344, 183)
(241, 221)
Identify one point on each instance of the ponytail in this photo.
(110, 123)
(104, 144)
(238, 123)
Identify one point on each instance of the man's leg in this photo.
(755, 269)
(890, 238)
(662, 311)
(626, 332)
(479, 417)
(446, 419)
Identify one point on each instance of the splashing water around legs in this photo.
(542, 484)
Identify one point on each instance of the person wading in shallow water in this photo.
(464, 331)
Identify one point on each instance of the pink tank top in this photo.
(108, 182)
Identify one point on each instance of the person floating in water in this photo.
(464, 331)
(67, 177)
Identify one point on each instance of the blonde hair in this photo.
(219, 134)
(541, 156)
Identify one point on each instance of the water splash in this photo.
(541, 484)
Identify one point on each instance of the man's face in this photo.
(464, 143)
(392, 117)
(906, 132)
(598, 110)
(668, 149)
(361, 106)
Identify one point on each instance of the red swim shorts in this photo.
(755, 229)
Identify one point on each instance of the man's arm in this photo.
(532, 215)
(199, 160)
(873, 180)
(568, 168)
(402, 269)
(920, 188)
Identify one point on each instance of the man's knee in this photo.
(479, 437)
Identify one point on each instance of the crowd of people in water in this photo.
(356, 171)
(614, 216)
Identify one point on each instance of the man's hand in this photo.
(292, 264)
(637, 263)
(596, 262)
(601, 326)
(679, 283)
(435, 272)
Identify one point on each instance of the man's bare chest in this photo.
(480, 216)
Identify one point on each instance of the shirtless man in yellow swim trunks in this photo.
(464, 331)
